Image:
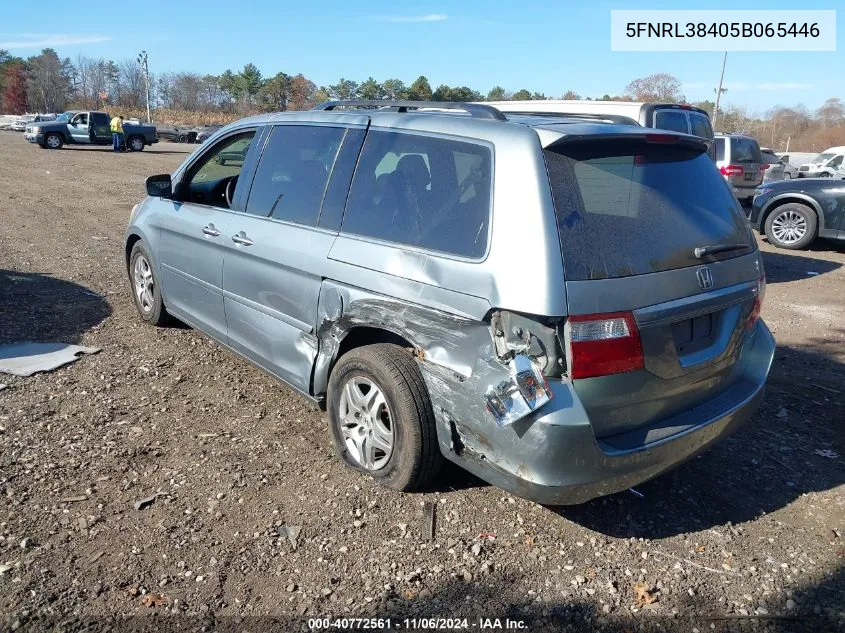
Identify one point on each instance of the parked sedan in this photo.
(168, 132)
(19, 124)
(205, 132)
(793, 213)
(772, 166)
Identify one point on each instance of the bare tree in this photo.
(832, 112)
(657, 87)
(132, 84)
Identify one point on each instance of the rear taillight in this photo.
(732, 170)
(764, 166)
(758, 301)
(604, 344)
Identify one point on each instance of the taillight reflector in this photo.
(604, 344)
(732, 170)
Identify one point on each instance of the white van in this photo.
(664, 116)
(828, 164)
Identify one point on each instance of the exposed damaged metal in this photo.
(479, 376)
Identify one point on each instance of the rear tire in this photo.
(53, 141)
(787, 175)
(792, 226)
(386, 373)
(135, 144)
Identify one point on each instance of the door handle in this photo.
(210, 230)
(241, 238)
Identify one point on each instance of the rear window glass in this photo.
(720, 149)
(630, 208)
(745, 150)
(422, 191)
(674, 120)
(700, 125)
(770, 158)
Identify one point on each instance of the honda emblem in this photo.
(705, 278)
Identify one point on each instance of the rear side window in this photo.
(291, 177)
(720, 149)
(700, 125)
(630, 208)
(422, 191)
(675, 120)
(745, 150)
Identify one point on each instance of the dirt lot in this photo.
(749, 535)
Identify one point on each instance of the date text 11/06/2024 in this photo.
(414, 624)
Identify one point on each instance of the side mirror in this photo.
(160, 186)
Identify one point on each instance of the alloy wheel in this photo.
(789, 226)
(365, 423)
(144, 284)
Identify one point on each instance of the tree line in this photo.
(48, 83)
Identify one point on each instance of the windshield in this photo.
(822, 158)
(630, 208)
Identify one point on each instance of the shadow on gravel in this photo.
(169, 151)
(794, 445)
(457, 605)
(783, 266)
(40, 307)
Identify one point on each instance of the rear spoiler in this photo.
(650, 137)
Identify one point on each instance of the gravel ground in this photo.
(166, 476)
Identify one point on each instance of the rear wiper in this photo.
(703, 251)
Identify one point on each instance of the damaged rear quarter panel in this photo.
(457, 358)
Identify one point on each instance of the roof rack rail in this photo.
(592, 116)
(475, 110)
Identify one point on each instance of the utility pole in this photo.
(142, 60)
(720, 90)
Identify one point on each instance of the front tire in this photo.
(53, 141)
(146, 291)
(381, 419)
(135, 144)
(792, 226)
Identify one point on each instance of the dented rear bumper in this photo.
(552, 456)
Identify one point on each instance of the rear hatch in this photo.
(656, 328)
(746, 159)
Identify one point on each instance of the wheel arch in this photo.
(131, 240)
(348, 340)
(787, 198)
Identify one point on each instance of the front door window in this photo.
(214, 178)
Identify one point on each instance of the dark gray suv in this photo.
(564, 308)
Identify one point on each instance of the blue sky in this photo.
(542, 46)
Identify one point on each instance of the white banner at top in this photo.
(708, 30)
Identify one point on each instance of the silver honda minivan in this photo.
(564, 308)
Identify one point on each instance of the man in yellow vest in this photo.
(118, 144)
